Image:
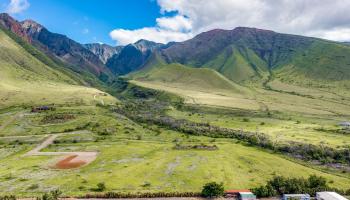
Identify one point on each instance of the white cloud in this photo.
(17, 6)
(177, 23)
(338, 34)
(329, 19)
(155, 34)
(177, 28)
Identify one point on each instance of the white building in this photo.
(345, 125)
(329, 196)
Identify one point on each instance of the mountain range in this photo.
(93, 61)
(242, 55)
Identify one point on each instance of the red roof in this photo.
(235, 191)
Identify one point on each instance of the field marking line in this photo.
(87, 157)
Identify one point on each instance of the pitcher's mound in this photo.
(76, 160)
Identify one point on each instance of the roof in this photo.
(247, 195)
(236, 191)
(296, 195)
(330, 196)
(344, 123)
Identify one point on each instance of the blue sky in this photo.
(126, 21)
(89, 21)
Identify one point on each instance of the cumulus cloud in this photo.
(177, 28)
(17, 6)
(155, 34)
(329, 19)
(177, 23)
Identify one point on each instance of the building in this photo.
(296, 196)
(345, 125)
(246, 196)
(240, 194)
(329, 196)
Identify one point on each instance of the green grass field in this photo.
(142, 153)
(308, 114)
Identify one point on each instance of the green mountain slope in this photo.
(272, 71)
(27, 80)
(191, 78)
(248, 54)
(322, 62)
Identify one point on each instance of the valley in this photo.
(149, 118)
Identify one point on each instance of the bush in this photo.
(213, 189)
(279, 185)
(114, 195)
(53, 195)
(33, 187)
(11, 197)
(246, 120)
(101, 187)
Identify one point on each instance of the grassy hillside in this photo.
(197, 85)
(177, 74)
(323, 64)
(143, 153)
(26, 80)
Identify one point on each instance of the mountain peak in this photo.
(31, 26)
(5, 16)
(145, 45)
(13, 25)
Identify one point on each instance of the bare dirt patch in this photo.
(69, 162)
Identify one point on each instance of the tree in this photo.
(213, 189)
(317, 181)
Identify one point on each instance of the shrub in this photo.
(101, 187)
(139, 137)
(213, 189)
(279, 185)
(114, 195)
(33, 187)
(53, 195)
(246, 120)
(11, 197)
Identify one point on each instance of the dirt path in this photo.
(70, 160)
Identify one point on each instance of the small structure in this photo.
(329, 196)
(240, 194)
(296, 196)
(43, 108)
(344, 125)
(246, 196)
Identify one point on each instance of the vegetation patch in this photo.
(114, 195)
(56, 118)
(196, 147)
(280, 185)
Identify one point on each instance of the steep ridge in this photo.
(27, 80)
(132, 57)
(75, 56)
(239, 54)
(104, 51)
